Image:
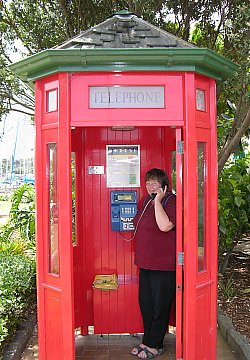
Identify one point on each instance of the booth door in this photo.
(54, 236)
(200, 248)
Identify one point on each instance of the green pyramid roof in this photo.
(124, 30)
(124, 42)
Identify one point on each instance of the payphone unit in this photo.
(123, 209)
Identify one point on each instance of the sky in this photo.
(17, 128)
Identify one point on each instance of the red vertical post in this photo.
(190, 219)
(179, 246)
(39, 217)
(65, 217)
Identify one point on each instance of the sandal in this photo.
(161, 351)
(150, 355)
(138, 348)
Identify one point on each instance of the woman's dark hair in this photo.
(159, 175)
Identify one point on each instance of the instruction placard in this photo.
(123, 165)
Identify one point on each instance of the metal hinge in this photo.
(180, 147)
(180, 258)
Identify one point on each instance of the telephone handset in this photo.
(153, 195)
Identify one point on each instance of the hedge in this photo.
(17, 292)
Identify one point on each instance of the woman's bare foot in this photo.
(148, 353)
(137, 349)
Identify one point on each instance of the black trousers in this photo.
(156, 294)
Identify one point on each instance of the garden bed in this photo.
(234, 289)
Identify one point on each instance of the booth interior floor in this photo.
(118, 347)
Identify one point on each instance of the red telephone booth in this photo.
(111, 103)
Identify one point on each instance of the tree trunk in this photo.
(236, 239)
(232, 144)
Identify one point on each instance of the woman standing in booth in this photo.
(155, 242)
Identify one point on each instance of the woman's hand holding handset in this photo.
(159, 195)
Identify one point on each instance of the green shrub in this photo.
(226, 286)
(17, 291)
(18, 234)
(17, 262)
(13, 245)
(22, 213)
(234, 206)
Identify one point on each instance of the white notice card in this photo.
(123, 165)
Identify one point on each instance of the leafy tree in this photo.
(230, 38)
(234, 96)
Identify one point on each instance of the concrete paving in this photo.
(118, 347)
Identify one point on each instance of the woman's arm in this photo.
(161, 217)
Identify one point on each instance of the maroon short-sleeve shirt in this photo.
(155, 249)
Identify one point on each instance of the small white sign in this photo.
(96, 169)
(126, 97)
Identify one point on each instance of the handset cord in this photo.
(135, 230)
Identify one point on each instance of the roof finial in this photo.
(124, 12)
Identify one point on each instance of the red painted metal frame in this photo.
(65, 211)
(189, 226)
(179, 247)
(66, 301)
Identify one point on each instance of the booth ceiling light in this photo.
(123, 128)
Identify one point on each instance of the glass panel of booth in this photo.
(53, 256)
(51, 100)
(200, 100)
(201, 183)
